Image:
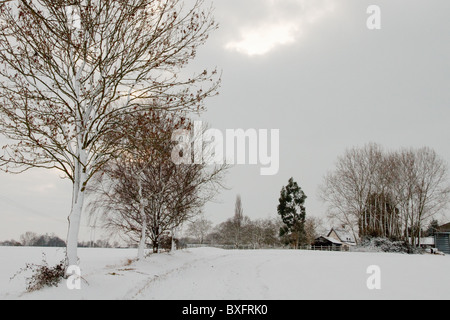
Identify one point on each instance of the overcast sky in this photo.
(313, 70)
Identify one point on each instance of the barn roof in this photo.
(329, 239)
(344, 235)
(444, 228)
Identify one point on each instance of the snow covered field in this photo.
(206, 273)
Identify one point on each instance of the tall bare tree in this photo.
(143, 194)
(346, 189)
(238, 220)
(387, 194)
(422, 187)
(71, 69)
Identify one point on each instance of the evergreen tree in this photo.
(432, 228)
(293, 213)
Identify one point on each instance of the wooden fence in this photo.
(324, 248)
(250, 247)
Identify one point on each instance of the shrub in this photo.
(42, 275)
(387, 245)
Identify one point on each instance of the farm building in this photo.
(442, 238)
(327, 242)
(428, 242)
(444, 228)
(336, 239)
(343, 236)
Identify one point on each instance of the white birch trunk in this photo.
(78, 198)
(74, 230)
(142, 243)
(80, 176)
(174, 245)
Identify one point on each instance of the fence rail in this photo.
(324, 248)
(229, 247)
(250, 247)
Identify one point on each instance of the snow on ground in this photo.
(214, 274)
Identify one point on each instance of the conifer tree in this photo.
(293, 212)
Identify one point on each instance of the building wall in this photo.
(443, 242)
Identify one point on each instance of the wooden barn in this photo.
(327, 242)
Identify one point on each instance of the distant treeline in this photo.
(243, 232)
(31, 239)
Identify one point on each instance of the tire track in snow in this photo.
(247, 282)
(265, 289)
(135, 293)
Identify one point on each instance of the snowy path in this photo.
(213, 274)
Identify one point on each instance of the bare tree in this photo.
(262, 233)
(255, 233)
(200, 228)
(238, 220)
(346, 188)
(71, 69)
(313, 229)
(423, 189)
(144, 194)
(28, 239)
(387, 194)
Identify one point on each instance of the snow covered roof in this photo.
(329, 239)
(343, 235)
(332, 240)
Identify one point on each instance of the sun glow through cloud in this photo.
(283, 26)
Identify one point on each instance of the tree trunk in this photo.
(155, 246)
(78, 197)
(142, 243)
(74, 230)
(141, 250)
(174, 244)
